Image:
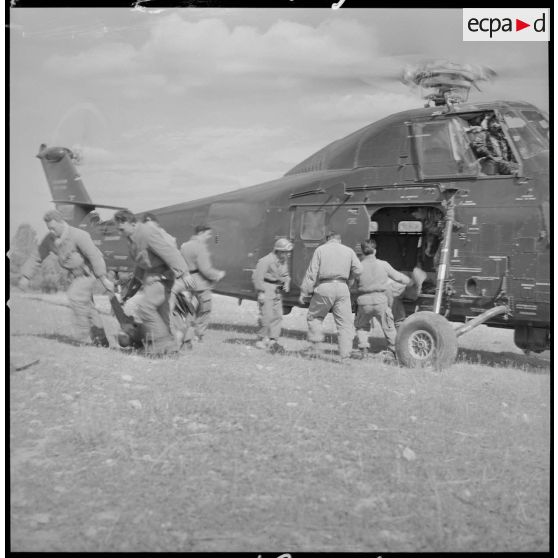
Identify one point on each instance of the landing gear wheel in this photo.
(426, 339)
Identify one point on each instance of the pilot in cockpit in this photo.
(491, 146)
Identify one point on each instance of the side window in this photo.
(384, 150)
(409, 227)
(526, 142)
(444, 149)
(540, 121)
(313, 224)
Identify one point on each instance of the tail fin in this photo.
(67, 189)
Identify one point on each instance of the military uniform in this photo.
(158, 264)
(394, 295)
(202, 278)
(326, 277)
(375, 292)
(85, 264)
(270, 277)
(169, 238)
(493, 146)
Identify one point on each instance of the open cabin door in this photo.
(309, 224)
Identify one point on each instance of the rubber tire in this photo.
(434, 327)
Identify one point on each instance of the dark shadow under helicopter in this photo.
(529, 363)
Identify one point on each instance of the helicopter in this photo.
(488, 264)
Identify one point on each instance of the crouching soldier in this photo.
(374, 296)
(160, 269)
(85, 264)
(270, 278)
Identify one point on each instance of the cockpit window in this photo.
(444, 148)
(526, 141)
(539, 120)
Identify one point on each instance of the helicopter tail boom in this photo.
(68, 192)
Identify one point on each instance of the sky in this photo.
(171, 105)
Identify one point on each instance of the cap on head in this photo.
(53, 215)
(492, 120)
(282, 245)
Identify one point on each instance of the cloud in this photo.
(177, 166)
(196, 52)
(361, 107)
(105, 59)
(286, 47)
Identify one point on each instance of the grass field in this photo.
(232, 449)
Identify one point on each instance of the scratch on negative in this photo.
(140, 7)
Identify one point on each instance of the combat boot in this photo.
(388, 355)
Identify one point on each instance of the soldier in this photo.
(161, 270)
(394, 293)
(326, 281)
(374, 294)
(270, 277)
(432, 229)
(491, 143)
(203, 276)
(85, 264)
(152, 220)
(377, 284)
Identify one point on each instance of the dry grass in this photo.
(230, 449)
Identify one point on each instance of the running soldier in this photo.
(161, 270)
(85, 265)
(203, 276)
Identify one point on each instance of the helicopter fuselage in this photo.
(371, 184)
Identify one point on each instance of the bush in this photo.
(23, 243)
(49, 277)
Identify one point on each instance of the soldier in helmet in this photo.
(271, 278)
